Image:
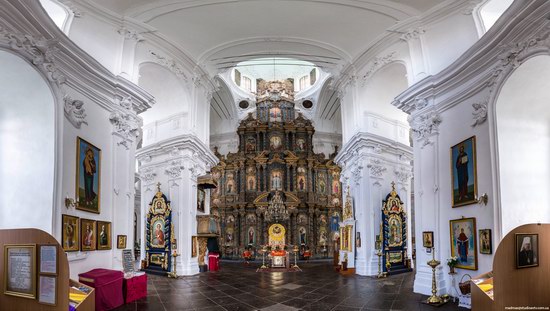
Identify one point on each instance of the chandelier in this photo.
(276, 210)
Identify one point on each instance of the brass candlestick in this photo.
(434, 299)
(264, 249)
(173, 274)
(296, 249)
(388, 263)
(381, 274)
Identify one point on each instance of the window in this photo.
(303, 82)
(247, 84)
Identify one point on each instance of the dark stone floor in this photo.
(318, 287)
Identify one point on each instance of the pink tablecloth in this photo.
(108, 287)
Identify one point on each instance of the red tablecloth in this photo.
(135, 288)
(213, 262)
(108, 287)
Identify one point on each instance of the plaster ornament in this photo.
(376, 168)
(426, 125)
(148, 175)
(38, 49)
(480, 113)
(377, 63)
(171, 64)
(420, 103)
(402, 175)
(126, 126)
(412, 34)
(130, 34)
(74, 111)
(174, 170)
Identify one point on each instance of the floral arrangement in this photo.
(452, 262)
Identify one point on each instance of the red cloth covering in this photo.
(108, 287)
(307, 254)
(278, 253)
(213, 261)
(135, 288)
(247, 254)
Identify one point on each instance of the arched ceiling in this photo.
(325, 32)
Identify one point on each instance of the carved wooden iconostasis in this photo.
(159, 234)
(276, 154)
(394, 222)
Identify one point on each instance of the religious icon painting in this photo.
(302, 183)
(251, 236)
(158, 237)
(485, 241)
(428, 239)
(201, 197)
(70, 232)
(464, 242)
(302, 234)
(87, 235)
(300, 144)
(121, 241)
(88, 175)
(275, 143)
(250, 145)
(464, 172)
(527, 250)
(103, 235)
(251, 183)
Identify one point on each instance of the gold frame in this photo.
(77, 184)
(474, 236)
(74, 249)
(118, 237)
(109, 235)
(431, 235)
(93, 246)
(33, 271)
(474, 158)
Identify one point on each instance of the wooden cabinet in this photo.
(88, 303)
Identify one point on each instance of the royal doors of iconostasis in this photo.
(394, 224)
(159, 234)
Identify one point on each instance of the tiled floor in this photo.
(318, 287)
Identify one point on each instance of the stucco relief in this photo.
(74, 111)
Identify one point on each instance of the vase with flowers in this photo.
(452, 263)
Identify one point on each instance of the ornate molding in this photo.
(38, 49)
(170, 64)
(425, 126)
(403, 175)
(480, 112)
(147, 175)
(130, 34)
(174, 169)
(513, 55)
(412, 34)
(376, 168)
(377, 63)
(126, 126)
(74, 111)
(420, 103)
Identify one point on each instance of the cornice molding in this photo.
(27, 30)
(522, 32)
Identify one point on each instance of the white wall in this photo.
(27, 140)
(523, 123)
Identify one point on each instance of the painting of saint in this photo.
(302, 234)
(394, 207)
(201, 198)
(275, 143)
(300, 144)
(395, 228)
(104, 237)
(485, 246)
(88, 235)
(275, 114)
(301, 183)
(334, 222)
(335, 187)
(70, 232)
(323, 237)
(251, 235)
(229, 236)
(463, 168)
(250, 145)
(276, 180)
(158, 233)
(427, 239)
(527, 250)
(463, 242)
(230, 186)
(251, 184)
(88, 171)
(322, 183)
(302, 219)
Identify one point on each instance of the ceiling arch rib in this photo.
(155, 9)
(222, 101)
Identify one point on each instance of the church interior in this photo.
(274, 155)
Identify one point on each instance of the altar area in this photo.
(275, 256)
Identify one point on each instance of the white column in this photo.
(419, 59)
(126, 63)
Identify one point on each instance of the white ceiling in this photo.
(211, 31)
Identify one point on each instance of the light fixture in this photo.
(276, 210)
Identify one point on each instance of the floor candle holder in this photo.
(174, 274)
(380, 274)
(434, 299)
